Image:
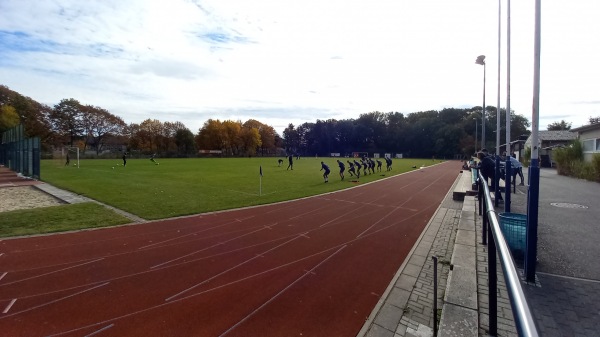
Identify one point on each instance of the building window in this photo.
(589, 145)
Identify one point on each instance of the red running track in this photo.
(310, 267)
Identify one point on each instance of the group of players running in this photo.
(354, 166)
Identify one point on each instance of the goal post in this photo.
(61, 156)
(360, 154)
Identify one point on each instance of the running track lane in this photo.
(311, 267)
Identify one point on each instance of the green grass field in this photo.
(58, 219)
(189, 186)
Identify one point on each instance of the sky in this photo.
(285, 61)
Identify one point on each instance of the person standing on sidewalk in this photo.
(487, 167)
(517, 168)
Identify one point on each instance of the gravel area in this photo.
(25, 197)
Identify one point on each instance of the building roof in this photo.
(586, 128)
(557, 135)
(554, 136)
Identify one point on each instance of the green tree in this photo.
(67, 119)
(291, 140)
(184, 139)
(99, 124)
(557, 126)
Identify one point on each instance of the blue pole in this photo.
(507, 184)
(534, 170)
(497, 193)
(531, 236)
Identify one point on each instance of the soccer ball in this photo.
(113, 167)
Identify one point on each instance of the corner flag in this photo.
(260, 184)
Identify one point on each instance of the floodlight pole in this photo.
(499, 64)
(534, 170)
(497, 193)
(508, 177)
(481, 61)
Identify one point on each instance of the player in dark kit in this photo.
(291, 164)
(342, 168)
(365, 165)
(378, 165)
(326, 173)
(388, 163)
(124, 159)
(351, 168)
(357, 164)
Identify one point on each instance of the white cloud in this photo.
(284, 61)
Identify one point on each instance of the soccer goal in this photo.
(360, 154)
(68, 155)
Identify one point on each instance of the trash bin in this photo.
(513, 226)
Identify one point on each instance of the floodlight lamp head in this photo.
(480, 60)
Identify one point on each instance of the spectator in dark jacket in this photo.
(487, 166)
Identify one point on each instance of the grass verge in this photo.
(58, 219)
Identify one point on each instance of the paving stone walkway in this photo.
(406, 308)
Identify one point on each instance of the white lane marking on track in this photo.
(1, 277)
(376, 222)
(281, 292)
(232, 268)
(194, 233)
(153, 270)
(101, 330)
(307, 213)
(9, 306)
(197, 294)
(56, 300)
(343, 215)
(1, 254)
(53, 272)
(207, 248)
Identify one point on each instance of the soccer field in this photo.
(178, 187)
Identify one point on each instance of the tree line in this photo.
(424, 134)
(89, 127)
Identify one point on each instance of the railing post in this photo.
(497, 181)
(507, 184)
(484, 218)
(435, 323)
(479, 193)
(492, 283)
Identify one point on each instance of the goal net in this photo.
(360, 154)
(67, 156)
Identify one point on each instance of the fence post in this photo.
(492, 283)
(484, 220)
(435, 323)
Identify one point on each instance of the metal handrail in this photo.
(522, 314)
